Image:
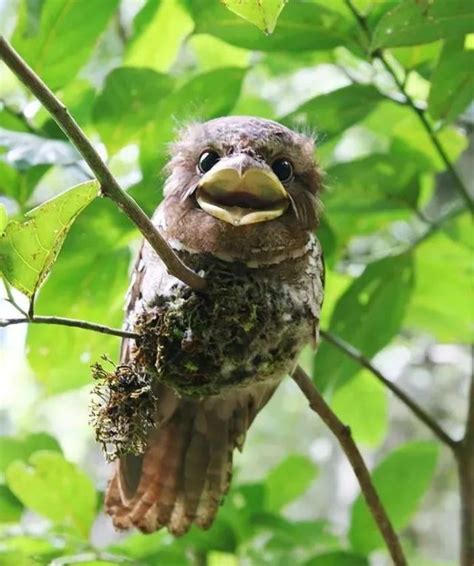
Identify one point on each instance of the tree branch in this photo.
(465, 457)
(352, 352)
(75, 323)
(109, 186)
(379, 54)
(343, 435)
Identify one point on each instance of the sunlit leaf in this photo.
(262, 13)
(3, 218)
(368, 315)
(401, 481)
(63, 39)
(54, 488)
(301, 26)
(12, 449)
(423, 21)
(441, 309)
(162, 27)
(89, 281)
(361, 403)
(290, 479)
(213, 53)
(28, 249)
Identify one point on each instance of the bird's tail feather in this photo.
(186, 470)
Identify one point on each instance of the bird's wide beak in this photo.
(240, 194)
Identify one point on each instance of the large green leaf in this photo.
(423, 21)
(89, 282)
(290, 479)
(203, 97)
(12, 449)
(452, 83)
(62, 41)
(28, 249)
(54, 488)
(3, 218)
(368, 315)
(444, 275)
(130, 100)
(361, 403)
(262, 13)
(161, 27)
(301, 26)
(332, 113)
(401, 480)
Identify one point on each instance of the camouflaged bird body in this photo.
(217, 358)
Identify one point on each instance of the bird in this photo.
(241, 205)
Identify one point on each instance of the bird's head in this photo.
(241, 178)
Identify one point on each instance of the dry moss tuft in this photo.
(122, 408)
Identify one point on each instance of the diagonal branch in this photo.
(75, 323)
(379, 54)
(343, 435)
(109, 186)
(352, 352)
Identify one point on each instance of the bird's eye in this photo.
(207, 160)
(283, 169)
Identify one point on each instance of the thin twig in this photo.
(343, 435)
(379, 54)
(75, 323)
(352, 352)
(109, 186)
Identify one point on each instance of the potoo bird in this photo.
(240, 207)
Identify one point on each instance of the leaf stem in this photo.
(344, 437)
(352, 352)
(75, 323)
(109, 186)
(379, 54)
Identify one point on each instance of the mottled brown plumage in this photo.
(185, 472)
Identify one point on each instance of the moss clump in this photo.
(243, 329)
(122, 408)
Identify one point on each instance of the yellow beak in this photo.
(256, 195)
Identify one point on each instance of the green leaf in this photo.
(452, 83)
(401, 480)
(21, 448)
(338, 558)
(205, 96)
(89, 282)
(213, 53)
(332, 113)
(64, 39)
(130, 100)
(20, 184)
(29, 249)
(162, 27)
(290, 479)
(3, 218)
(368, 314)
(11, 508)
(54, 488)
(441, 309)
(362, 404)
(302, 26)
(262, 13)
(423, 21)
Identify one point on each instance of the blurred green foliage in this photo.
(397, 237)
